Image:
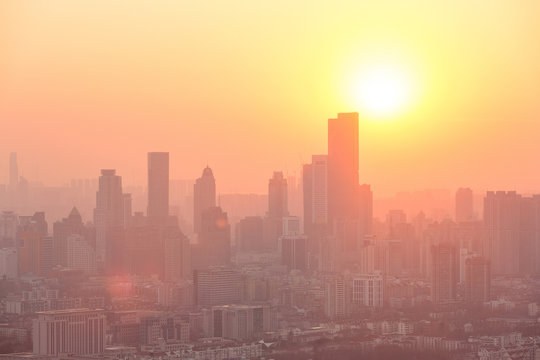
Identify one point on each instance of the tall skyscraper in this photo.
(444, 273)
(204, 196)
(464, 205)
(108, 216)
(13, 171)
(343, 167)
(277, 196)
(158, 186)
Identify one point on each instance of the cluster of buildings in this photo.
(126, 282)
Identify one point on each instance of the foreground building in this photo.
(74, 331)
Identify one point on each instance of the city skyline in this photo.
(288, 180)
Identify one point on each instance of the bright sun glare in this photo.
(383, 90)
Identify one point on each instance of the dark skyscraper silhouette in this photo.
(158, 186)
(343, 167)
(204, 196)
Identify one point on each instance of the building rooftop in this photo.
(68, 311)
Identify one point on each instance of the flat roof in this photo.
(68, 311)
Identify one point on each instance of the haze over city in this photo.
(269, 180)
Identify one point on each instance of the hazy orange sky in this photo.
(248, 86)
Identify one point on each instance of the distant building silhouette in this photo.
(294, 252)
(108, 218)
(9, 221)
(477, 279)
(34, 247)
(315, 182)
(444, 273)
(249, 233)
(335, 296)
(319, 189)
(127, 207)
(214, 240)
(204, 196)
(307, 192)
(277, 210)
(158, 186)
(464, 205)
(365, 209)
(72, 225)
(512, 225)
(503, 222)
(176, 256)
(80, 255)
(277, 196)
(9, 263)
(294, 195)
(13, 172)
(152, 249)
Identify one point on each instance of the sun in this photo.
(383, 90)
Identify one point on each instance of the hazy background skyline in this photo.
(92, 85)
